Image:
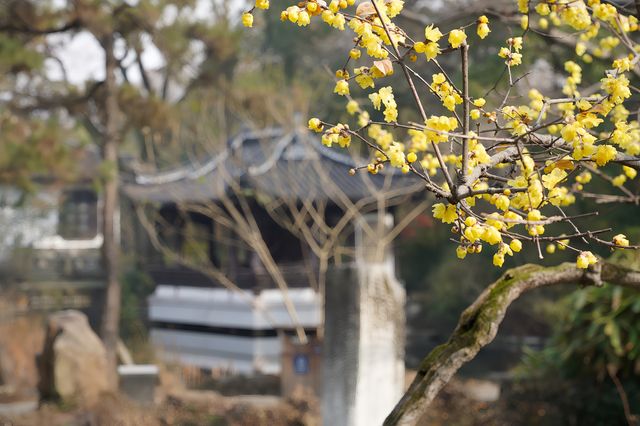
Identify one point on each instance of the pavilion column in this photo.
(364, 333)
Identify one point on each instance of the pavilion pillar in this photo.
(364, 332)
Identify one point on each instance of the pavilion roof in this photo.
(274, 163)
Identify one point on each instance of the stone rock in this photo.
(73, 364)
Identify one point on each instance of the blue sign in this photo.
(301, 364)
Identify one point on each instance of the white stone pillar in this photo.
(364, 333)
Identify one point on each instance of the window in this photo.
(78, 215)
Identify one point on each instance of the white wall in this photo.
(239, 354)
(222, 308)
(216, 307)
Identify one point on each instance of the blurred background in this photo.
(158, 148)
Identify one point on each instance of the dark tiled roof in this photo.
(276, 164)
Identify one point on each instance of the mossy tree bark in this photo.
(479, 323)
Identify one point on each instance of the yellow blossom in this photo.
(446, 213)
(534, 215)
(461, 252)
(394, 7)
(550, 180)
(543, 23)
(303, 18)
(516, 245)
(619, 180)
(342, 88)
(543, 9)
(584, 178)
(352, 107)
(585, 258)
(431, 50)
(363, 77)
(622, 64)
(480, 102)
(516, 42)
(328, 139)
(621, 240)
(604, 154)
(483, 27)
(385, 97)
(396, 155)
(456, 38)
(523, 6)
(502, 202)
(315, 124)
(491, 235)
(247, 19)
(432, 33)
(629, 171)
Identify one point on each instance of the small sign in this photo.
(301, 364)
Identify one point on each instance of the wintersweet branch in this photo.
(480, 322)
(524, 158)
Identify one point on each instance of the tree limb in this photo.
(25, 29)
(479, 324)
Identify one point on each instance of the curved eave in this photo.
(276, 164)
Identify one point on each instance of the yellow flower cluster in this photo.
(396, 156)
(337, 134)
(445, 91)
(446, 213)
(483, 27)
(617, 87)
(478, 153)
(627, 136)
(394, 7)
(437, 128)
(575, 14)
(558, 140)
(365, 76)
(430, 46)
(585, 259)
(570, 87)
(385, 97)
(512, 52)
(518, 118)
(476, 112)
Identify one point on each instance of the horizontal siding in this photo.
(222, 308)
(240, 354)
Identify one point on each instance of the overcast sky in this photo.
(83, 58)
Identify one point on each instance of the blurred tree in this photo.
(156, 55)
